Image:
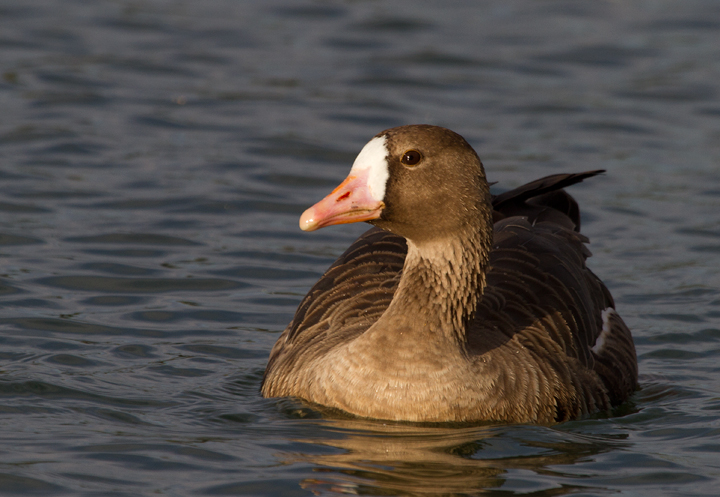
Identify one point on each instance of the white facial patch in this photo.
(373, 160)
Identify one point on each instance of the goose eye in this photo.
(411, 157)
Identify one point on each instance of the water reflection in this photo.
(392, 459)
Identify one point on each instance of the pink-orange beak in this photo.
(350, 202)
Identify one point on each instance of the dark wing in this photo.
(371, 264)
(351, 295)
(538, 275)
(602, 341)
(541, 295)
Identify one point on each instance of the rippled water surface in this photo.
(155, 156)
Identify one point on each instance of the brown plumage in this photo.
(463, 307)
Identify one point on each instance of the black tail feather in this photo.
(543, 200)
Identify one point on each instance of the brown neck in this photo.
(442, 282)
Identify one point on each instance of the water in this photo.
(155, 156)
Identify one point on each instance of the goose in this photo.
(457, 306)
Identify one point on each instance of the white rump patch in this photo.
(600, 342)
(373, 157)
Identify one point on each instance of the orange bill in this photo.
(350, 202)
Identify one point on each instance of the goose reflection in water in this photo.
(379, 458)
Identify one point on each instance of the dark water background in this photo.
(155, 156)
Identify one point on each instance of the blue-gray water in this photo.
(155, 156)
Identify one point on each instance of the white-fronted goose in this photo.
(459, 305)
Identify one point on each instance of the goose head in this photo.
(419, 181)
